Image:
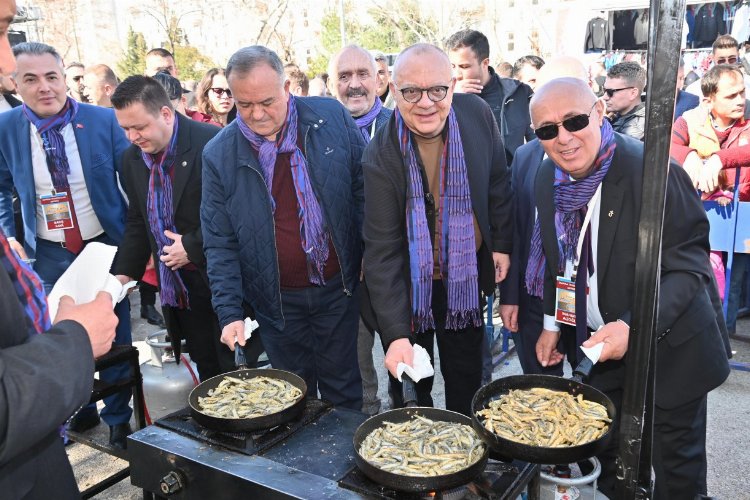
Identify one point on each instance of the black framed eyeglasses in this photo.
(611, 92)
(414, 94)
(727, 60)
(220, 91)
(572, 124)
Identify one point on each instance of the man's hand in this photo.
(399, 351)
(96, 317)
(693, 166)
(175, 255)
(509, 315)
(546, 348)
(615, 336)
(708, 179)
(469, 86)
(502, 265)
(18, 248)
(233, 332)
(124, 280)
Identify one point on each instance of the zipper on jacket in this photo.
(273, 224)
(333, 240)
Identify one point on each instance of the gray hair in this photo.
(37, 49)
(379, 57)
(248, 58)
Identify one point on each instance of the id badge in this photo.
(56, 208)
(565, 301)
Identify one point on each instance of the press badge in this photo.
(565, 301)
(56, 208)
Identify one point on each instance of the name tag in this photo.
(56, 208)
(565, 301)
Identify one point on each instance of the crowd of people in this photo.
(367, 201)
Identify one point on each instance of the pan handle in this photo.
(239, 356)
(408, 391)
(583, 370)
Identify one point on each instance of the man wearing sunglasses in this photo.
(583, 248)
(622, 94)
(74, 81)
(725, 50)
(438, 224)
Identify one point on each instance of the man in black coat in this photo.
(424, 119)
(163, 166)
(593, 169)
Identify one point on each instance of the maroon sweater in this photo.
(292, 259)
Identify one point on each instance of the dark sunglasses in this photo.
(611, 92)
(572, 124)
(78, 78)
(727, 60)
(414, 94)
(220, 92)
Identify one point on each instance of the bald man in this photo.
(430, 251)
(522, 313)
(99, 83)
(354, 82)
(592, 169)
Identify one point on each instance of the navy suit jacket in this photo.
(101, 143)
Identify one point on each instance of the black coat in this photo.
(43, 380)
(138, 243)
(386, 259)
(692, 352)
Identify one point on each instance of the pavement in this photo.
(728, 438)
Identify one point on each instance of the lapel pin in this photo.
(184, 164)
(611, 213)
(79, 125)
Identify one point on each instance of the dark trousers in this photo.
(148, 293)
(679, 451)
(460, 359)
(530, 324)
(51, 262)
(199, 326)
(319, 341)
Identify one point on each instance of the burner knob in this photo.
(172, 483)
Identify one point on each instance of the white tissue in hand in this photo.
(593, 353)
(422, 365)
(250, 326)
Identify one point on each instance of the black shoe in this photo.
(83, 421)
(150, 314)
(118, 435)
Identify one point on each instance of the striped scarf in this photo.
(365, 121)
(457, 246)
(50, 129)
(571, 199)
(161, 217)
(311, 226)
(28, 288)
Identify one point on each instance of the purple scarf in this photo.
(311, 227)
(365, 121)
(571, 199)
(161, 217)
(50, 129)
(457, 246)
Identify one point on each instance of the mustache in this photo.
(358, 92)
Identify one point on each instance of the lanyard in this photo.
(586, 221)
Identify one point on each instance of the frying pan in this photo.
(246, 424)
(539, 454)
(412, 483)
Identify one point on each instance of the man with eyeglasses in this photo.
(354, 81)
(438, 224)
(583, 249)
(622, 94)
(74, 81)
(725, 50)
(281, 215)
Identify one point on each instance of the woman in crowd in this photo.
(214, 97)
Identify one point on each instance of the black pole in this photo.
(634, 460)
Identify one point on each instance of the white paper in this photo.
(593, 353)
(422, 365)
(87, 276)
(250, 326)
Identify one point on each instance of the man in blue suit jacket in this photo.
(52, 150)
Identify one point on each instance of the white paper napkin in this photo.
(250, 326)
(87, 276)
(422, 365)
(593, 353)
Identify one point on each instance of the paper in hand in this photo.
(422, 366)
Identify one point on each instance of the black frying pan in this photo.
(412, 483)
(247, 424)
(538, 454)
